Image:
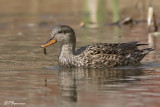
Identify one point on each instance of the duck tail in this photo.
(147, 50)
(141, 44)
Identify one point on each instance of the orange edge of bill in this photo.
(48, 43)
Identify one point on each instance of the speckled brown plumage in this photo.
(97, 55)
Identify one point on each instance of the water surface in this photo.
(31, 79)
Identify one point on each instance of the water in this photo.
(28, 78)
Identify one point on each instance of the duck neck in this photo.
(68, 49)
(67, 53)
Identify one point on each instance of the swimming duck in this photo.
(96, 55)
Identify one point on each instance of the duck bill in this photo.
(49, 42)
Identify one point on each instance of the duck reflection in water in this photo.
(71, 80)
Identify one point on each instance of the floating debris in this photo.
(127, 21)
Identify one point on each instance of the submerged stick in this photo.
(45, 51)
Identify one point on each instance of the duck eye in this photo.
(60, 32)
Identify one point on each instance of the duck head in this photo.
(62, 34)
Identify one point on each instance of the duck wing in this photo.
(110, 48)
(111, 54)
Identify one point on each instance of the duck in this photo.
(98, 55)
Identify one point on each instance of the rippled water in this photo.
(29, 78)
